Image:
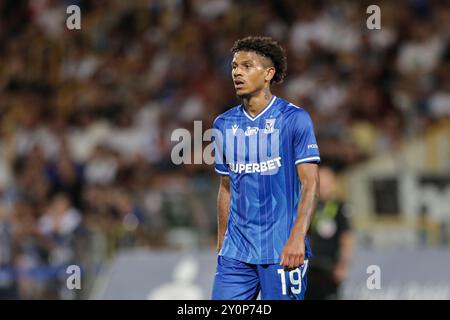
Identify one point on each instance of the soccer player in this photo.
(267, 155)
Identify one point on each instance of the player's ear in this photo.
(270, 73)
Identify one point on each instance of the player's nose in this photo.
(237, 72)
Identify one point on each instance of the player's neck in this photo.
(255, 103)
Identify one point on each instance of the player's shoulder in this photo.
(291, 110)
(229, 114)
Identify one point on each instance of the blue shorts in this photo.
(237, 280)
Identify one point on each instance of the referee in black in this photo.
(331, 240)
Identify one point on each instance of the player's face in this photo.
(250, 72)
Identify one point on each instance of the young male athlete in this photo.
(267, 156)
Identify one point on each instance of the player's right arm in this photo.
(223, 206)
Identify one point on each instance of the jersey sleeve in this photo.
(304, 139)
(219, 148)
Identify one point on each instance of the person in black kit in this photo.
(331, 241)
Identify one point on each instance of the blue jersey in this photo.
(260, 155)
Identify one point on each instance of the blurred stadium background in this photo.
(86, 118)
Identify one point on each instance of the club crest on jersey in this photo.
(251, 131)
(234, 128)
(270, 125)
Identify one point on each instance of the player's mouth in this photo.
(238, 84)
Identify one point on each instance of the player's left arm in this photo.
(293, 254)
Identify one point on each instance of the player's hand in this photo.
(293, 254)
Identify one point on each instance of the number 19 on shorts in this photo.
(295, 279)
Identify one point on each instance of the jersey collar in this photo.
(267, 107)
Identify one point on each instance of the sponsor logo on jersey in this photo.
(251, 131)
(256, 167)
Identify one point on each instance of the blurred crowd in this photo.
(86, 116)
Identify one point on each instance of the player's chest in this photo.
(246, 138)
(263, 128)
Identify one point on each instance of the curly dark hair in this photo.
(266, 47)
